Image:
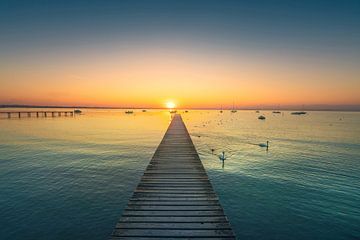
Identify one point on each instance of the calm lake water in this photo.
(70, 178)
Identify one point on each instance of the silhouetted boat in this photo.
(257, 111)
(144, 110)
(276, 112)
(173, 111)
(233, 109)
(262, 117)
(129, 112)
(77, 111)
(298, 113)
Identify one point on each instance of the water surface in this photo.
(70, 178)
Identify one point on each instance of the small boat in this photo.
(186, 111)
(262, 117)
(298, 113)
(144, 110)
(77, 111)
(173, 111)
(257, 111)
(129, 112)
(233, 109)
(277, 112)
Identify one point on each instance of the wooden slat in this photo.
(174, 199)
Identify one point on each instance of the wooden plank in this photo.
(174, 219)
(129, 225)
(174, 198)
(169, 238)
(173, 208)
(173, 232)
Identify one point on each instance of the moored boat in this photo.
(298, 113)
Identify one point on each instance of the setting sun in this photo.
(170, 105)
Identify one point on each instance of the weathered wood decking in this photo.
(174, 198)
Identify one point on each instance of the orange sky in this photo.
(146, 76)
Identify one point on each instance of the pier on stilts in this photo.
(20, 114)
(174, 199)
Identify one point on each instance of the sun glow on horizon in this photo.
(170, 105)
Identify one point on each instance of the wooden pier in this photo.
(174, 199)
(20, 114)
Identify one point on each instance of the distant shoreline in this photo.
(339, 108)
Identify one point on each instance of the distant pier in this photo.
(174, 199)
(20, 114)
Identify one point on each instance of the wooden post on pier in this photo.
(37, 113)
(174, 198)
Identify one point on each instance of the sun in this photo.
(170, 105)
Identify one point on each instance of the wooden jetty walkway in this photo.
(20, 114)
(174, 199)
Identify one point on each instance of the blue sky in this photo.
(306, 25)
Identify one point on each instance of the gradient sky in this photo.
(195, 53)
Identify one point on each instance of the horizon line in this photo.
(310, 107)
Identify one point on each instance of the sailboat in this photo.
(233, 109)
